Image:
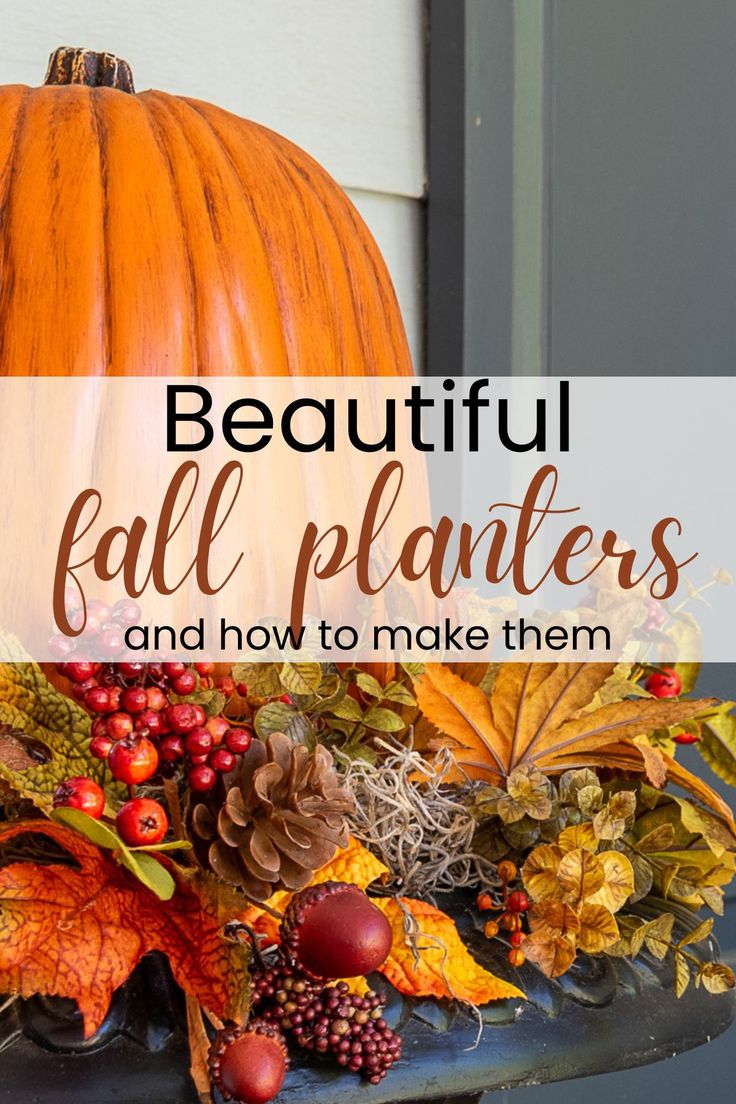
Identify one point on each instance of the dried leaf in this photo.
(539, 872)
(463, 712)
(682, 975)
(536, 715)
(580, 875)
(581, 836)
(658, 934)
(702, 931)
(618, 881)
(553, 956)
(554, 917)
(598, 929)
(79, 933)
(444, 968)
(716, 977)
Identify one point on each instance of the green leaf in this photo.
(303, 679)
(688, 673)
(31, 706)
(369, 685)
(142, 866)
(153, 875)
(169, 845)
(262, 679)
(212, 701)
(399, 693)
(348, 710)
(281, 717)
(383, 720)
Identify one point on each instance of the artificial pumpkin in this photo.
(150, 234)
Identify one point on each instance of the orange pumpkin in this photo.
(150, 234)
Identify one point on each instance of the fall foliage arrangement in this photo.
(285, 834)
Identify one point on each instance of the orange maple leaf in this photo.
(435, 962)
(80, 932)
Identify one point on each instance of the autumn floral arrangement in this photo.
(280, 831)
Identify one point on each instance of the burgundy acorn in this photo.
(334, 930)
(248, 1064)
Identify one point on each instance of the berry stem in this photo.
(131, 791)
(171, 794)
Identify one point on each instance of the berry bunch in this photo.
(103, 637)
(327, 1020)
(512, 905)
(142, 730)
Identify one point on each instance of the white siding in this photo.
(342, 78)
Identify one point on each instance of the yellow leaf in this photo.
(580, 875)
(463, 712)
(443, 966)
(618, 721)
(598, 929)
(618, 881)
(539, 872)
(578, 836)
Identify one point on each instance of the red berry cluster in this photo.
(142, 732)
(512, 904)
(103, 636)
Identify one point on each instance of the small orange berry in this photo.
(506, 870)
(507, 920)
(517, 938)
(484, 902)
(516, 957)
(490, 929)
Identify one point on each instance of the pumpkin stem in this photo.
(75, 65)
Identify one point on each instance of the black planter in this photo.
(603, 1015)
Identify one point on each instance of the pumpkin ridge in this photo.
(107, 314)
(240, 320)
(291, 167)
(152, 104)
(268, 252)
(7, 260)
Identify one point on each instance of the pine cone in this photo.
(283, 817)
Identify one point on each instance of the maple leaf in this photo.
(547, 716)
(79, 933)
(429, 959)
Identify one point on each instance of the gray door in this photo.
(582, 221)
